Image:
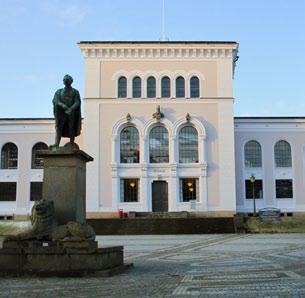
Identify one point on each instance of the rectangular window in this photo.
(36, 191)
(258, 189)
(129, 189)
(189, 189)
(284, 189)
(8, 191)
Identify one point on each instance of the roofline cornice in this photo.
(159, 50)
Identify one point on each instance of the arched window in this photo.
(194, 85)
(282, 154)
(188, 145)
(151, 87)
(158, 145)
(165, 87)
(136, 87)
(37, 162)
(253, 154)
(9, 156)
(180, 87)
(122, 87)
(129, 145)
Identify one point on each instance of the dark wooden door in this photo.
(159, 196)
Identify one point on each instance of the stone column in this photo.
(64, 183)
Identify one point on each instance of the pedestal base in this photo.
(60, 258)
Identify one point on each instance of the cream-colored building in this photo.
(158, 121)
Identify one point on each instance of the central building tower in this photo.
(159, 124)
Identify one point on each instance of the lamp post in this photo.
(252, 179)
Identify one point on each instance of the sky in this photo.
(38, 45)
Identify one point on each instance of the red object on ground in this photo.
(121, 213)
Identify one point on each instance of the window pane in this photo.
(9, 156)
(122, 87)
(129, 190)
(136, 87)
(194, 84)
(158, 145)
(253, 155)
(8, 191)
(36, 191)
(129, 145)
(282, 154)
(180, 89)
(258, 189)
(189, 189)
(165, 87)
(37, 162)
(284, 189)
(151, 87)
(188, 145)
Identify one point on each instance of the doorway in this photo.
(159, 196)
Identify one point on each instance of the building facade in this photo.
(158, 121)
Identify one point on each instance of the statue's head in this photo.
(68, 80)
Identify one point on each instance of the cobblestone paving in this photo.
(187, 266)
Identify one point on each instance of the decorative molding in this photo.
(152, 53)
(128, 118)
(158, 115)
(187, 118)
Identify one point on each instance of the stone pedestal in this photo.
(59, 258)
(64, 183)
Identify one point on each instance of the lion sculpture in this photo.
(44, 226)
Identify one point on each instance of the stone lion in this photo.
(44, 226)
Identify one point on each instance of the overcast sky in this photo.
(38, 45)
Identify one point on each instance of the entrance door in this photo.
(159, 196)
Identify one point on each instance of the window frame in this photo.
(151, 84)
(34, 159)
(194, 158)
(122, 90)
(277, 196)
(5, 156)
(135, 147)
(180, 89)
(165, 90)
(135, 191)
(280, 160)
(136, 89)
(194, 88)
(160, 149)
(260, 159)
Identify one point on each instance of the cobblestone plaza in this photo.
(248, 265)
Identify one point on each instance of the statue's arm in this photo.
(58, 102)
(76, 103)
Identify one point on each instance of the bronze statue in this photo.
(67, 112)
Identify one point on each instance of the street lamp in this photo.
(252, 179)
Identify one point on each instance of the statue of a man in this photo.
(67, 113)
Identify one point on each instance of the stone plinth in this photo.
(69, 258)
(64, 183)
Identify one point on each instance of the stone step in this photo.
(161, 226)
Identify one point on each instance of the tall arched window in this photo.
(165, 87)
(180, 87)
(282, 154)
(188, 145)
(129, 145)
(253, 154)
(9, 156)
(136, 87)
(151, 87)
(158, 145)
(37, 162)
(194, 86)
(122, 87)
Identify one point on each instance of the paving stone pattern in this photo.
(230, 265)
